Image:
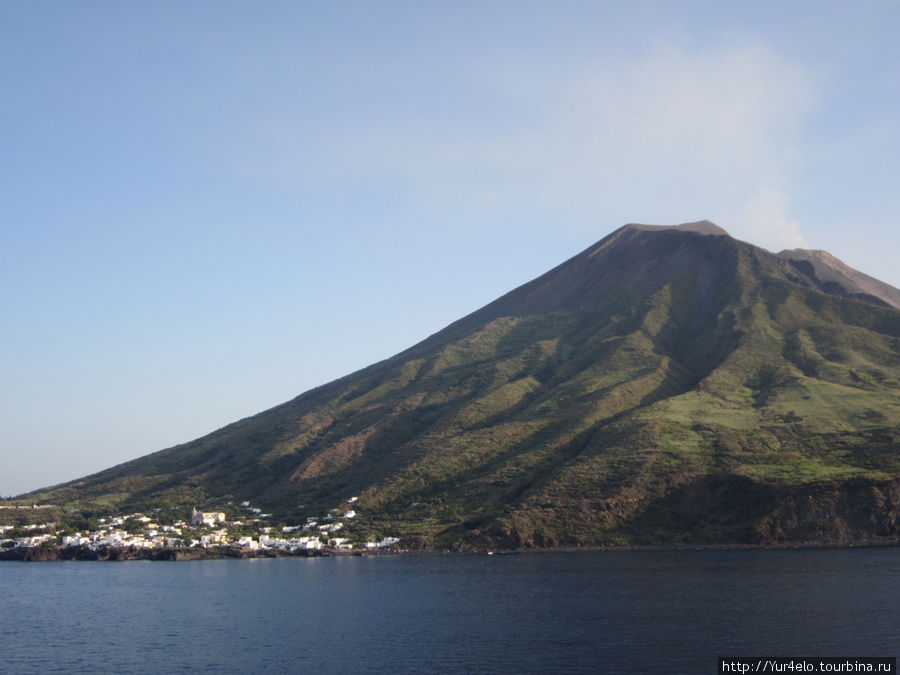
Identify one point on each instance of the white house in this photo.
(75, 540)
(213, 539)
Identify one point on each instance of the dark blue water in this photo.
(626, 611)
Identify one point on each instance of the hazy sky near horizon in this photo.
(207, 208)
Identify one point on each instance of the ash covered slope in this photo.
(832, 275)
(666, 385)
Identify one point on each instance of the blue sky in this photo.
(207, 208)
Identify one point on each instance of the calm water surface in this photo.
(622, 611)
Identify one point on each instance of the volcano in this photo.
(667, 385)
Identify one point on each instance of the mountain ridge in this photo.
(832, 273)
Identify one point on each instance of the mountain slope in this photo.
(824, 269)
(668, 384)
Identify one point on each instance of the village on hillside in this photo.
(209, 530)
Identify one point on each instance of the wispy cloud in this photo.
(677, 133)
(765, 216)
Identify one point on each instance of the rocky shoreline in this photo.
(125, 553)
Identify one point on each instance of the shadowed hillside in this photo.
(666, 385)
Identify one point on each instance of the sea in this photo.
(645, 611)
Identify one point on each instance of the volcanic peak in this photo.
(699, 226)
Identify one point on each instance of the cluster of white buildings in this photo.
(110, 533)
(206, 529)
(28, 541)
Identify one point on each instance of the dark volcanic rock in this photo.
(848, 512)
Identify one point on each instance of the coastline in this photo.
(133, 553)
